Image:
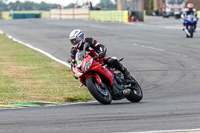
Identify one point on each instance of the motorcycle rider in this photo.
(190, 10)
(78, 39)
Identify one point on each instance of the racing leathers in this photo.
(187, 12)
(100, 52)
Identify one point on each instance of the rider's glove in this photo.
(95, 58)
(101, 55)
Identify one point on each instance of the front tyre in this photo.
(100, 93)
(136, 93)
(191, 32)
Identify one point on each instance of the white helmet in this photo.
(77, 38)
(190, 6)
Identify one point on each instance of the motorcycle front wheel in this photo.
(100, 93)
(191, 32)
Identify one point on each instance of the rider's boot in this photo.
(127, 76)
(116, 64)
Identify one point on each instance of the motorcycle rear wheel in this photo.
(136, 94)
(101, 94)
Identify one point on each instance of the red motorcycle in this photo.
(104, 82)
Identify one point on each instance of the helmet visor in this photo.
(74, 41)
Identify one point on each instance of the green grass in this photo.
(29, 76)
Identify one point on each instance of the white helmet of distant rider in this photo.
(77, 38)
(190, 6)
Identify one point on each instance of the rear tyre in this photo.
(100, 93)
(136, 94)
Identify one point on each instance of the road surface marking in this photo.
(168, 131)
(161, 50)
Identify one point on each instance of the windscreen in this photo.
(175, 2)
(79, 58)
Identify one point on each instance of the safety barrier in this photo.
(144, 15)
(117, 16)
(25, 14)
(73, 13)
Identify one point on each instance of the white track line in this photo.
(158, 49)
(37, 49)
(167, 131)
(174, 27)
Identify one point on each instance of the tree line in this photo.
(27, 5)
(104, 4)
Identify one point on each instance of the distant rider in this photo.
(190, 10)
(78, 39)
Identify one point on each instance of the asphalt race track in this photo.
(157, 53)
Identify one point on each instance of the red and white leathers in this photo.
(100, 52)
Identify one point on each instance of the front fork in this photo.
(97, 78)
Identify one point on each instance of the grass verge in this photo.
(29, 76)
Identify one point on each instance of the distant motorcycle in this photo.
(190, 22)
(103, 82)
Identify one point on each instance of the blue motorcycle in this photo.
(190, 23)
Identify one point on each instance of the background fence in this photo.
(78, 13)
(74, 13)
(118, 16)
(25, 14)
